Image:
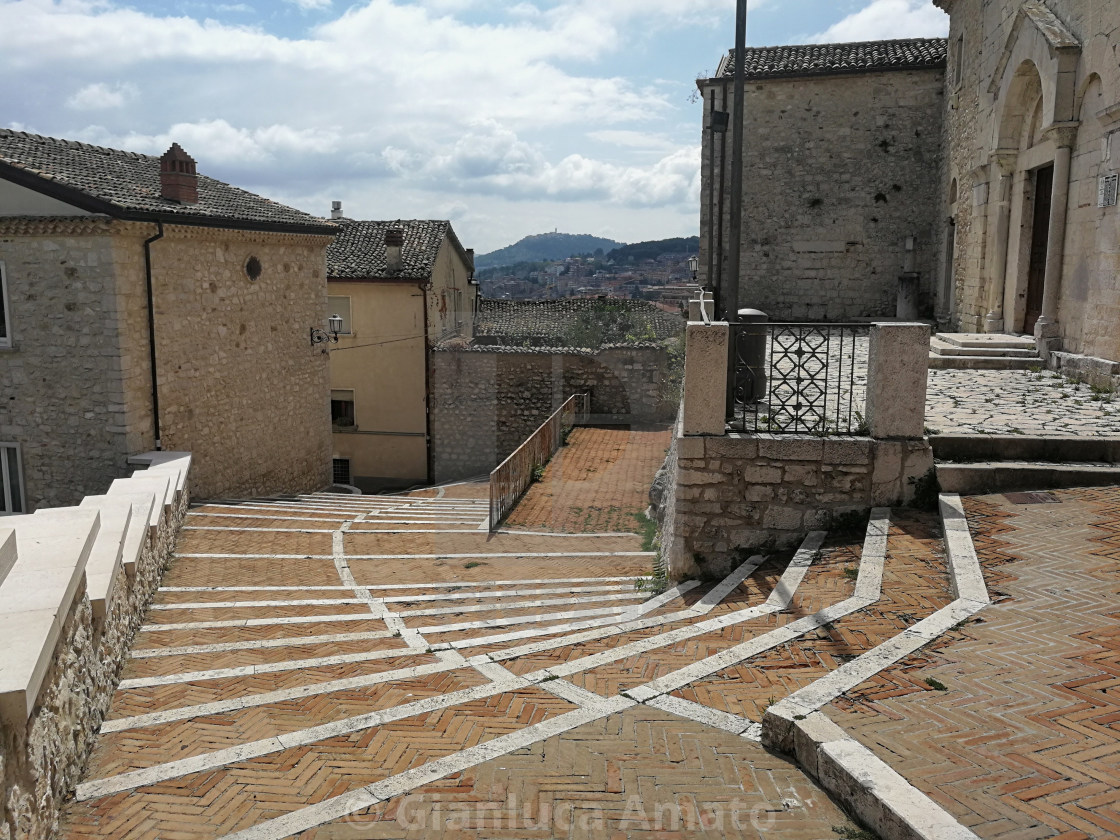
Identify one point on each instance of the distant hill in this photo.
(545, 246)
(652, 250)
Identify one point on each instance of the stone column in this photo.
(1064, 136)
(705, 378)
(993, 321)
(897, 367)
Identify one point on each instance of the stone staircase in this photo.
(982, 351)
(974, 464)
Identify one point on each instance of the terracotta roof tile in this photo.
(358, 252)
(826, 59)
(127, 185)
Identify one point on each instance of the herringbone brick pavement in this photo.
(240, 795)
(599, 482)
(915, 584)
(638, 774)
(242, 571)
(1022, 741)
(218, 635)
(372, 572)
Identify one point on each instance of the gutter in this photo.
(427, 385)
(152, 331)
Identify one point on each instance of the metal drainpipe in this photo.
(427, 388)
(152, 331)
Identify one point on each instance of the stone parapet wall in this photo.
(43, 756)
(743, 492)
(485, 402)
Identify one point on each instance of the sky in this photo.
(508, 117)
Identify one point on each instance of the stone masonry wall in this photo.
(41, 764)
(63, 381)
(241, 387)
(747, 491)
(839, 171)
(485, 403)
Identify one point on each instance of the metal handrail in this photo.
(509, 480)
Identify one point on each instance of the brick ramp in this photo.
(1022, 741)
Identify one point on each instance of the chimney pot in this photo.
(178, 178)
(336, 209)
(394, 239)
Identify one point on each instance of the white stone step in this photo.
(52, 549)
(945, 348)
(7, 551)
(938, 362)
(178, 463)
(160, 484)
(977, 341)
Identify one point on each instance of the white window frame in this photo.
(6, 504)
(348, 321)
(5, 309)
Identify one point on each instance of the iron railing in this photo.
(798, 378)
(511, 477)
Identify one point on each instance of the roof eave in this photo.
(85, 201)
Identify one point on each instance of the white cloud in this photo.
(99, 95)
(885, 19)
(309, 5)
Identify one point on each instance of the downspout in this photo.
(152, 331)
(427, 386)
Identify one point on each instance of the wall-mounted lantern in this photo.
(334, 327)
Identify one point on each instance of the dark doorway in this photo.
(1040, 233)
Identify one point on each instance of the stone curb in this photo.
(875, 793)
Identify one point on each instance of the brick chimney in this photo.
(394, 239)
(178, 180)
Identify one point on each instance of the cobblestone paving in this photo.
(1019, 739)
(311, 667)
(1017, 402)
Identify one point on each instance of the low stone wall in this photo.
(42, 754)
(743, 492)
(485, 402)
(1097, 373)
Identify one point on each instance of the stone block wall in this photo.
(239, 383)
(485, 402)
(42, 761)
(839, 171)
(748, 491)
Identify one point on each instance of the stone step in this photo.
(988, 340)
(974, 448)
(945, 348)
(939, 362)
(1002, 476)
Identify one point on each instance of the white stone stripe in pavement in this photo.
(261, 644)
(264, 530)
(278, 696)
(706, 715)
(348, 803)
(264, 668)
(395, 599)
(449, 585)
(473, 556)
(256, 516)
(255, 749)
(517, 605)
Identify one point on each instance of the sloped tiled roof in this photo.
(827, 59)
(127, 185)
(358, 252)
(560, 323)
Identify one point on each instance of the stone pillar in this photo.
(1064, 136)
(705, 378)
(694, 309)
(993, 321)
(897, 367)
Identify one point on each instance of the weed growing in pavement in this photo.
(648, 529)
(849, 522)
(1034, 368)
(936, 685)
(537, 473)
(926, 490)
(474, 564)
(848, 832)
(851, 573)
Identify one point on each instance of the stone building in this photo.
(841, 170)
(400, 287)
(145, 306)
(1033, 150)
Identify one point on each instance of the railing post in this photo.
(705, 378)
(897, 369)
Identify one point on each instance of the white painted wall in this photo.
(20, 201)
